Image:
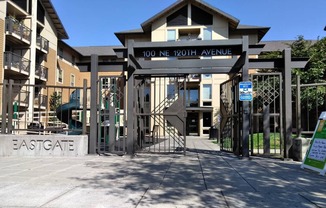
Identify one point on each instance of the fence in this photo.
(309, 100)
(44, 109)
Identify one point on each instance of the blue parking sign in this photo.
(245, 91)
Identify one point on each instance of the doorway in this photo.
(192, 124)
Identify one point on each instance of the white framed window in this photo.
(59, 75)
(207, 91)
(207, 33)
(171, 35)
(207, 76)
(72, 80)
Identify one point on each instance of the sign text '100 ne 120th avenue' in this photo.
(186, 52)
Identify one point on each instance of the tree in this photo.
(314, 71)
(55, 101)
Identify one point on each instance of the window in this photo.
(170, 91)
(207, 92)
(207, 33)
(200, 17)
(171, 35)
(60, 52)
(207, 76)
(72, 80)
(178, 18)
(59, 75)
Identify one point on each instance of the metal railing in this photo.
(309, 100)
(55, 109)
(41, 71)
(14, 61)
(16, 27)
(42, 43)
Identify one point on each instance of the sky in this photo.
(93, 23)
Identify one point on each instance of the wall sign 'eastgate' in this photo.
(39, 144)
(149, 53)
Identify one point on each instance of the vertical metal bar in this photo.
(185, 116)
(131, 100)
(94, 107)
(10, 107)
(281, 112)
(245, 104)
(84, 106)
(4, 106)
(287, 102)
(298, 106)
(252, 118)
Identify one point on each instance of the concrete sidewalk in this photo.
(205, 177)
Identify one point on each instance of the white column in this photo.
(33, 27)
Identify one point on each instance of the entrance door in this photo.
(192, 124)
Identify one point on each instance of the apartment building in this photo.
(30, 33)
(34, 53)
(192, 20)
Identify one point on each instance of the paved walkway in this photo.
(203, 178)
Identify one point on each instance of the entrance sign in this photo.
(187, 51)
(315, 158)
(245, 91)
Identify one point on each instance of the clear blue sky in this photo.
(93, 23)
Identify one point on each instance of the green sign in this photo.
(315, 158)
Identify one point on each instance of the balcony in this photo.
(40, 101)
(16, 63)
(42, 44)
(41, 72)
(18, 31)
(21, 97)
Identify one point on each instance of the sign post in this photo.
(245, 91)
(315, 158)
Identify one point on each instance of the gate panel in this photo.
(266, 114)
(161, 114)
(111, 115)
(230, 116)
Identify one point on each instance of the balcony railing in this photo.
(14, 61)
(40, 100)
(21, 96)
(42, 43)
(13, 26)
(41, 72)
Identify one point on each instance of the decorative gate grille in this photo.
(266, 114)
(111, 115)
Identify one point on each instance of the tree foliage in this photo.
(55, 101)
(314, 71)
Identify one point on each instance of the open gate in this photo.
(160, 114)
(230, 112)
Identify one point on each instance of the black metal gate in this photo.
(266, 115)
(230, 111)
(266, 124)
(160, 114)
(111, 128)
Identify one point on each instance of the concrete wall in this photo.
(41, 145)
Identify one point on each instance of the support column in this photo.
(32, 60)
(245, 104)
(130, 100)
(94, 107)
(287, 102)
(4, 106)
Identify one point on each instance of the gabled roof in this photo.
(48, 6)
(199, 3)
